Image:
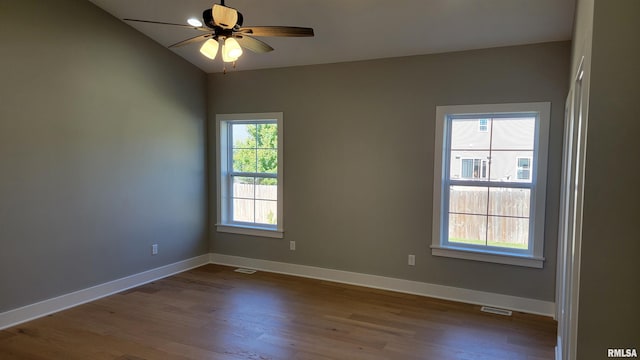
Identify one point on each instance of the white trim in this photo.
(538, 171)
(224, 222)
(253, 231)
(571, 210)
(43, 308)
(488, 256)
(30, 312)
(532, 306)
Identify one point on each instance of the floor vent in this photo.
(245, 271)
(497, 311)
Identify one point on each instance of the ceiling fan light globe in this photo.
(210, 48)
(225, 55)
(232, 49)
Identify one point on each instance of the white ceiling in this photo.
(348, 30)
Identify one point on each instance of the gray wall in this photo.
(101, 151)
(358, 152)
(609, 316)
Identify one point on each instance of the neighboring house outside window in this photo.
(489, 187)
(249, 183)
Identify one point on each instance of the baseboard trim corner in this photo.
(46, 307)
(531, 306)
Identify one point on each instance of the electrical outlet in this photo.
(154, 249)
(292, 245)
(412, 260)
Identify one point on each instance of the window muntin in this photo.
(492, 212)
(250, 174)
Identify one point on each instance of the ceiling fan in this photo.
(223, 26)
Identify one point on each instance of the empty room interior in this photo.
(319, 179)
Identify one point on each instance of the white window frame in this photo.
(531, 257)
(223, 165)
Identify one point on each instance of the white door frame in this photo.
(570, 226)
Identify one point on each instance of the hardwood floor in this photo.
(213, 312)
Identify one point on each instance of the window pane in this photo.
(244, 160)
(508, 232)
(242, 135)
(469, 165)
(266, 212)
(465, 135)
(504, 165)
(467, 169)
(243, 210)
(267, 136)
(243, 187)
(524, 162)
(468, 200)
(467, 229)
(509, 202)
(513, 133)
(267, 161)
(523, 174)
(266, 189)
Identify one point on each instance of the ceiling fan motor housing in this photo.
(207, 17)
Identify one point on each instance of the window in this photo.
(483, 125)
(524, 168)
(250, 174)
(489, 186)
(474, 169)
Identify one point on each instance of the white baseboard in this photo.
(531, 306)
(46, 307)
(50, 306)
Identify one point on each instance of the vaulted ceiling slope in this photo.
(350, 30)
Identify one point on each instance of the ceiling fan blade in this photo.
(192, 40)
(166, 23)
(225, 17)
(253, 44)
(276, 31)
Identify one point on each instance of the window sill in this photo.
(252, 231)
(479, 255)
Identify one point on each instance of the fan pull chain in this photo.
(224, 67)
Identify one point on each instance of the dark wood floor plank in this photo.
(212, 312)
